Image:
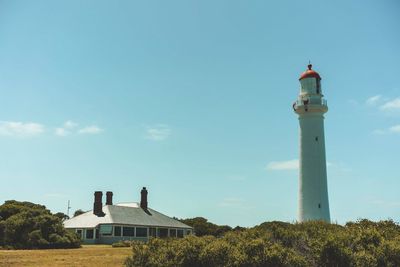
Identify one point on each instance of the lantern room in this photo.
(310, 82)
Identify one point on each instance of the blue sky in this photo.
(193, 100)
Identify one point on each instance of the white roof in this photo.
(124, 214)
(129, 204)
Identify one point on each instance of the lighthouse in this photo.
(313, 189)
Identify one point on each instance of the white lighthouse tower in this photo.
(313, 188)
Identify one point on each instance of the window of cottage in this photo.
(180, 233)
(162, 232)
(89, 233)
(141, 232)
(128, 231)
(172, 232)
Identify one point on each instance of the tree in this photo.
(203, 227)
(62, 216)
(28, 225)
(78, 212)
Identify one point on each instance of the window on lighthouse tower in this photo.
(318, 86)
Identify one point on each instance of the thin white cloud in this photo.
(391, 105)
(289, 165)
(378, 131)
(20, 129)
(70, 125)
(338, 167)
(373, 100)
(283, 165)
(395, 129)
(93, 129)
(61, 132)
(158, 132)
(66, 129)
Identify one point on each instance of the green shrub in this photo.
(122, 244)
(203, 227)
(28, 225)
(335, 254)
(363, 243)
(388, 253)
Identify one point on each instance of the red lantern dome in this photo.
(310, 73)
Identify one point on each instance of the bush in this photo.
(122, 244)
(78, 212)
(27, 225)
(203, 227)
(335, 254)
(363, 243)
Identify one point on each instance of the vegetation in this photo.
(202, 227)
(122, 244)
(362, 243)
(62, 216)
(26, 225)
(78, 212)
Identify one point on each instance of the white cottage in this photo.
(107, 224)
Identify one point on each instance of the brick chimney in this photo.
(143, 199)
(109, 198)
(98, 204)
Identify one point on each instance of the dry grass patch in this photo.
(88, 255)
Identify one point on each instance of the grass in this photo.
(88, 255)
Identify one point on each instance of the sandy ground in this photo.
(89, 255)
